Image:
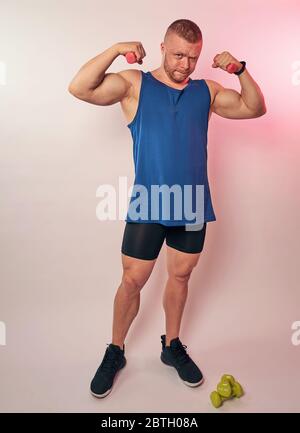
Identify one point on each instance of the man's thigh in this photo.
(183, 251)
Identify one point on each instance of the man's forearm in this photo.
(251, 93)
(91, 74)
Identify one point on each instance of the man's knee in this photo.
(181, 276)
(132, 283)
(181, 273)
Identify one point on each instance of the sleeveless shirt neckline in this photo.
(170, 87)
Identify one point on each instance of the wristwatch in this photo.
(242, 68)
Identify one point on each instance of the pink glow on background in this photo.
(61, 266)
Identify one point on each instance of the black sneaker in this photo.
(112, 362)
(176, 356)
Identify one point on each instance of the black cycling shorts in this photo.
(144, 240)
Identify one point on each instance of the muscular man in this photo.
(167, 113)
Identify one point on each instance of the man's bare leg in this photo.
(180, 266)
(127, 299)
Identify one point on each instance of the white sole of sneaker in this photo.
(101, 395)
(193, 384)
(184, 381)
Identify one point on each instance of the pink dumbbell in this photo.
(231, 68)
(131, 57)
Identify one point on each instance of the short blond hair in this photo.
(186, 29)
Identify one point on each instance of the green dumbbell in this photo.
(227, 389)
(224, 388)
(237, 390)
(216, 399)
(224, 392)
(228, 377)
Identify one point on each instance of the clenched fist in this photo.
(132, 47)
(224, 59)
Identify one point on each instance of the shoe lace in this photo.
(180, 354)
(109, 363)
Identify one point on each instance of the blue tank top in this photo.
(169, 132)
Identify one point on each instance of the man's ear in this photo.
(162, 46)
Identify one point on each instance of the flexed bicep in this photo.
(113, 88)
(228, 103)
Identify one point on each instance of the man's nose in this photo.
(186, 64)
